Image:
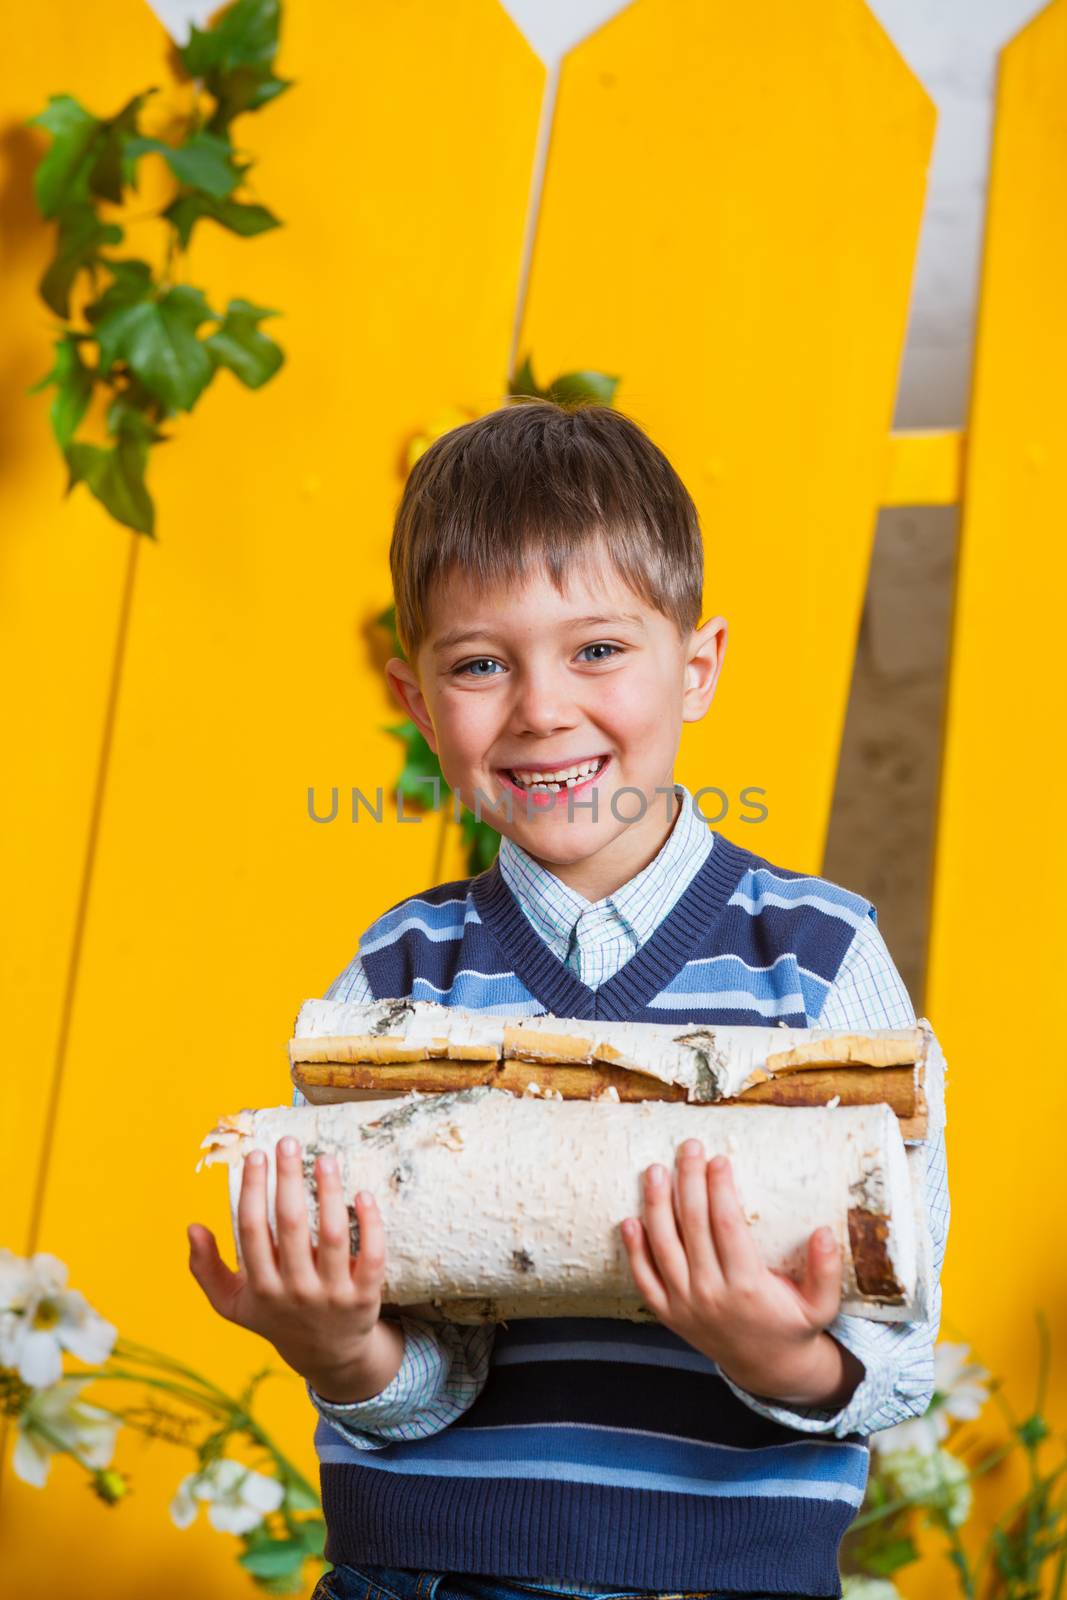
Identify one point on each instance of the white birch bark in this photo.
(711, 1063)
(497, 1206)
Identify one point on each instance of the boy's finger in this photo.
(257, 1251)
(334, 1257)
(647, 1280)
(668, 1252)
(693, 1214)
(295, 1261)
(210, 1271)
(736, 1249)
(370, 1258)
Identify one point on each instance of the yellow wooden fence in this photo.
(727, 218)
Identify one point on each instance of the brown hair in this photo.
(537, 484)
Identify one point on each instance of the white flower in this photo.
(959, 1394)
(238, 1498)
(56, 1420)
(40, 1318)
(961, 1385)
(857, 1586)
(936, 1480)
(918, 1436)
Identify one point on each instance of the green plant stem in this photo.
(143, 1352)
(1033, 1500)
(968, 1576)
(986, 1553)
(166, 280)
(129, 1350)
(220, 1402)
(1061, 1566)
(1028, 1500)
(195, 1397)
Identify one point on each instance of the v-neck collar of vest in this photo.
(648, 970)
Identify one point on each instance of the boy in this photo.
(547, 566)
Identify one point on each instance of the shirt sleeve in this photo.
(445, 1364)
(897, 1357)
(443, 1372)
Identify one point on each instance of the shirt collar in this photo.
(641, 904)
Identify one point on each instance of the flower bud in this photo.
(110, 1484)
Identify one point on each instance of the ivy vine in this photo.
(421, 767)
(137, 337)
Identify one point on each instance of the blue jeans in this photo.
(404, 1583)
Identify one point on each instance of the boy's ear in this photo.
(405, 685)
(704, 659)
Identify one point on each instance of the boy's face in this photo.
(515, 682)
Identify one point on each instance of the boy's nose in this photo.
(543, 707)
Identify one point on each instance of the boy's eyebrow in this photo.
(461, 635)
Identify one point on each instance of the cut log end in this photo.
(868, 1235)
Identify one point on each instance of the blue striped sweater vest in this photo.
(609, 1451)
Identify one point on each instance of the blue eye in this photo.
(471, 669)
(480, 661)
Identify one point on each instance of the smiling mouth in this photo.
(553, 779)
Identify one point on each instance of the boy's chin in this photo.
(557, 839)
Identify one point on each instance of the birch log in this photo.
(496, 1206)
(342, 1051)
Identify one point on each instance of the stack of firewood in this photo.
(508, 1149)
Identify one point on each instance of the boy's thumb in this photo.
(204, 1259)
(822, 1288)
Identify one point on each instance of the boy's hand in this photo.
(319, 1307)
(702, 1276)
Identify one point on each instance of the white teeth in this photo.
(551, 783)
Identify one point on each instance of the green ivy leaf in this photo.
(239, 345)
(149, 348)
(205, 162)
(299, 1498)
(524, 382)
(570, 388)
(387, 619)
(157, 339)
(277, 1559)
(246, 89)
(244, 35)
(267, 89)
(574, 387)
(891, 1557)
(311, 1533)
(81, 233)
(482, 842)
(62, 175)
(235, 59)
(89, 156)
(127, 420)
(420, 767)
(116, 478)
(131, 282)
(74, 387)
(113, 165)
(246, 220)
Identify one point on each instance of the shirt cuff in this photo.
(870, 1395)
(414, 1385)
